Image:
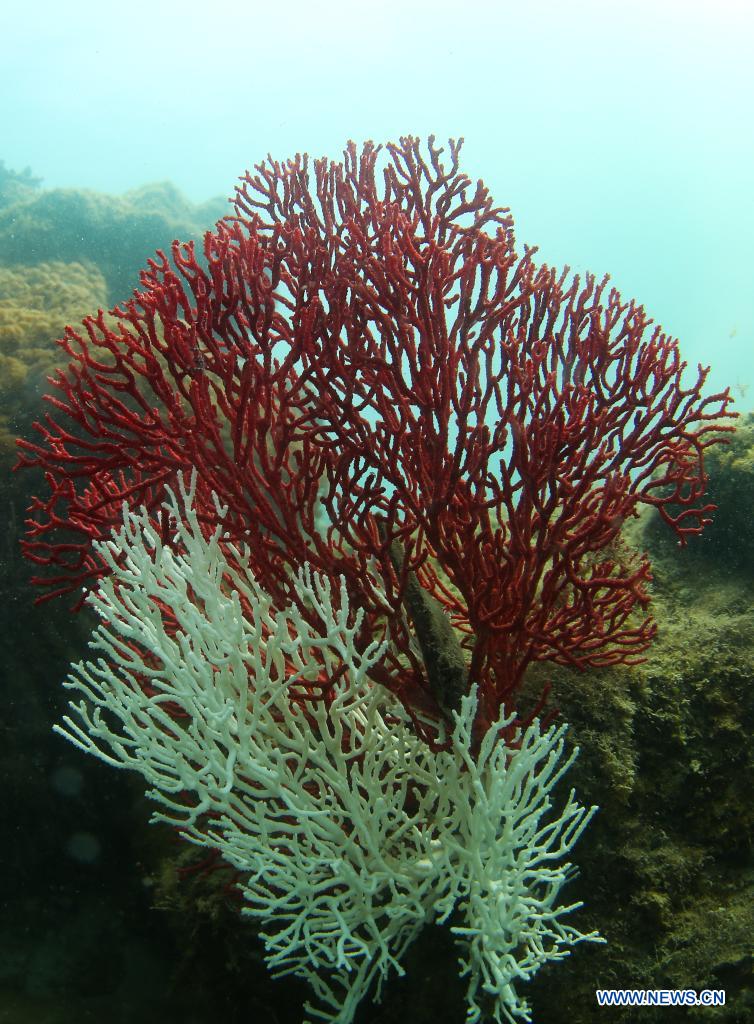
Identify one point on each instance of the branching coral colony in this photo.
(331, 487)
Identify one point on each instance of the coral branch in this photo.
(362, 343)
(348, 833)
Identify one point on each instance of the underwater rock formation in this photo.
(667, 755)
(36, 302)
(115, 233)
(16, 186)
(730, 537)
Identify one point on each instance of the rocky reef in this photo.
(107, 918)
(36, 302)
(115, 233)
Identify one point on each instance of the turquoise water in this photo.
(620, 135)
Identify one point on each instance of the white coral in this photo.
(349, 833)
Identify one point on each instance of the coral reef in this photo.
(116, 233)
(63, 253)
(666, 753)
(36, 303)
(370, 345)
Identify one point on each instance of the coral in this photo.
(375, 382)
(666, 749)
(349, 833)
(35, 305)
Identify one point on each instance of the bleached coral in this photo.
(349, 833)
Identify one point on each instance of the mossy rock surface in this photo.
(666, 870)
(36, 303)
(728, 540)
(116, 233)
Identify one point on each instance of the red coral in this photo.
(374, 381)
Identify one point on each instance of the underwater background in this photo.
(621, 137)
